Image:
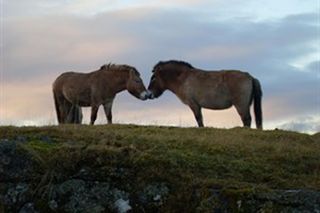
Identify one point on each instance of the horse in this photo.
(73, 90)
(208, 89)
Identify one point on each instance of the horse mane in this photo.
(110, 66)
(175, 62)
(118, 67)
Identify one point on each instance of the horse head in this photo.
(166, 75)
(135, 85)
(156, 87)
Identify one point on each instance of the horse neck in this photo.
(119, 80)
(173, 83)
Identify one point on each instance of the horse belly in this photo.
(84, 99)
(215, 101)
(83, 103)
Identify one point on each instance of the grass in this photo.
(185, 158)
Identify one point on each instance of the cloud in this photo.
(28, 101)
(37, 49)
(58, 7)
(87, 8)
(303, 124)
(122, 33)
(208, 9)
(314, 66)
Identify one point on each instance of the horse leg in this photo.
(71, 115)
(57, 102)
(78, 115)
(75, 115)
(94, 111)
(244, 112)
(196, 109)
(108, 111)
(65, 109)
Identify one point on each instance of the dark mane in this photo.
(175, 62)
(106, 66)
(117, 67)
(114, 66)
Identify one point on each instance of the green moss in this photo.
(191, 161)
(42, 146)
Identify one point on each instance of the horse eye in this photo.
(153, 78)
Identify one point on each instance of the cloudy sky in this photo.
(278, 42)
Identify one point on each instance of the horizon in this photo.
(276, 42)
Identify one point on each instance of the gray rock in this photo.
(122, 206)
(283, 201)
(154, 193)
(53, 204)
(16, 194)
(295, 200)
(28, 208)
(14, 164)
(77, 195)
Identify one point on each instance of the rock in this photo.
(122, 206)
(306, 201)
(15, 165)
(53, 204)
(28, 208)
(16, 194)
(154, 193)
(77, 195)
(27, 186)
(293, 200)
(13, 196)
(157, 198)
(7, 152)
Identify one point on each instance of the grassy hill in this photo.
(79, 168)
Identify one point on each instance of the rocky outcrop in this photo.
(285, 201)
(27, 186)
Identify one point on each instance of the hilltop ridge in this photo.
(128, 168)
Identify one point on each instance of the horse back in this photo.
(238, 82)
(76, 79)
(217, 89)
(224, 79)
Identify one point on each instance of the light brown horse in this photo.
(73, 90)
(208, 89)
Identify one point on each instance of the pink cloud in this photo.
(30, 100)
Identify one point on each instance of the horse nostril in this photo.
(150, 94)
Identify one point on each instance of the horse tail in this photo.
(257, 97)
(57, 106)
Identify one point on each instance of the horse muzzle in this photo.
(150, 94)
(144, 95)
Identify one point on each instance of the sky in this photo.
(277, 42)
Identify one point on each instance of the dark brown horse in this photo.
(208, 89)
(73, 90)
